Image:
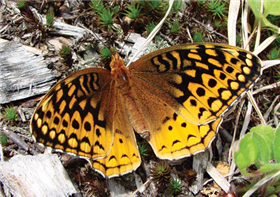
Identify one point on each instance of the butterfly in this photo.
(174, 98)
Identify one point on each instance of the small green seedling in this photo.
(20, 4)
(198, 36)
(3, 139)
(97, 6)
(106, 19)
(175, 186)
(274, 53)
(133, 11)
(105, 53)
(161, 174)
(144, 149)
(217, 8)
(49, 18)
(65, 51)
(175, 27)
(150, 26)
(10, 114)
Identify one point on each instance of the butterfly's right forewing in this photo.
(76, 115)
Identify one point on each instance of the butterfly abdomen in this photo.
(136, 116)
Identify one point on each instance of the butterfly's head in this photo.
(116, 62)
(120, 73)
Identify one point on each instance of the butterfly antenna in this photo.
(152, 34)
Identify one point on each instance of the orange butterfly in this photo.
(174, 98)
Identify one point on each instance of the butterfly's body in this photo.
(174, 98)
(121, 76)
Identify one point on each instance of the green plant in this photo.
(10, 114)
(200, 1)
(66, 54)
(217, 8)
(217, 24)
(156, 9)
(105, 53)
(198, 36)
(149, 27)
(270, 8)
(278, 76)
(276, 42)
(238, 40)
(175, 27)
(274, 19)
(116, 9)
(65, 51)
(259, 156)
(274, 54)
(175, 186)
(161, 174)
(177, 5)
(20, 4)
(49, 18)
(106, 19)
(143, 149)
(97, 6)
(3, 139)
(133, 11)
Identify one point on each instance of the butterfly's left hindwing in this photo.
(199, 82)
(124, 155)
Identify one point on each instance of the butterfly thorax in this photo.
(121, 75)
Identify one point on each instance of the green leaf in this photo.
(269, 167)
(277, 146)
(270, 7)
(20, 4)
(97, 6)
(253, 150)
(269, 25)
(255, 6)
(267, 133)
